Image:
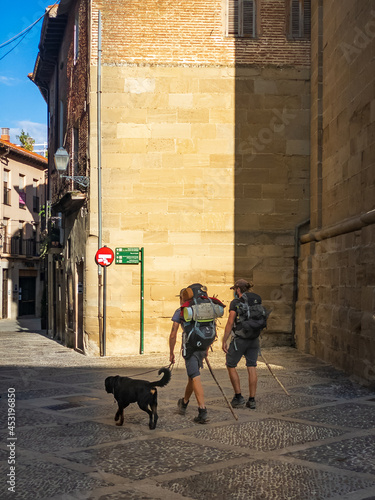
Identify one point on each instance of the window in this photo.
(6, 226)
(241, 18)
(298, 18)
(5, 233)
(70, 296)
(75, 166)
(61, 124)
(6, 181)
(35, 196)
(20, 236)
(22, 191)
(76, 38)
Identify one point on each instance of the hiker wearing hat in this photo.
(193, 363)
(239, 347)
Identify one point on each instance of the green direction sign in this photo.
(128, 255)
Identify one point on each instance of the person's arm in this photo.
(172, 340)
(228, 329)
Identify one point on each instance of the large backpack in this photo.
(198, 314)
(251, 316)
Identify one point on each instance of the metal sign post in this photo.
(104, 258)
(134, 255)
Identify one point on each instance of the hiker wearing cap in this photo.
(239, 347)
(193, 364)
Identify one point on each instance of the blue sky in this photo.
(21, 104)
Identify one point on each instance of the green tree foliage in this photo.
(26, 141)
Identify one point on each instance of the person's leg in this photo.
(193, 365)
(188, 390)
(253, 380)
(235, 379)
(251, 363)
(194, 385)
(198, 391)
(182, 403)
(202, 416)
(234, 354)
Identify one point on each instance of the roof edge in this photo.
(30, 155)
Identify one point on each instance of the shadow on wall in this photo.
(271, 185)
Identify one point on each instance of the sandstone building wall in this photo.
(205, 157)
(336, 304)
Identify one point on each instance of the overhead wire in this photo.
(9, 51)
(23, 33)
(20, 33)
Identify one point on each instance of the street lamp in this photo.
(61, 158)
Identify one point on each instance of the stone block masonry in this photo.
(204, 148)
(335, 308)
(185, 205)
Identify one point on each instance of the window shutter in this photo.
(295, 18)
(233, 17)
(248, 18)
(307, 18)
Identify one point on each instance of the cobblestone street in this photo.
(317, 443)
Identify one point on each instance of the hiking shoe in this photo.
(202, 416)
(238, 402)
(182, 406)
(250, 403)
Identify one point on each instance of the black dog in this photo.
(127, 390)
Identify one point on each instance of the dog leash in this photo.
(154, 370)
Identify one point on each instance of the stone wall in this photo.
(183, 179)
(336, 281)
(205, 144)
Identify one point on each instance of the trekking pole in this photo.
(268, 366)
(222, 392)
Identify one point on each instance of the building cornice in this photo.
(7, 149)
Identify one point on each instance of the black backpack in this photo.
(251, 316)
(198, 315)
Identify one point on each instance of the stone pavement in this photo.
(317, 443)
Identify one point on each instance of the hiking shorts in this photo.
(194, 363)
(242, 347)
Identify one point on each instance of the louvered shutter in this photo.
(307, 18)
(233, 17)
(248, 18)
(295, 17)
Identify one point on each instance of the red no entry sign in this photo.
(104, 256)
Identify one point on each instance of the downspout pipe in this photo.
(99, 98)
(297, 231)
(101, 309)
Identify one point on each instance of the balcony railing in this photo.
(19, 246)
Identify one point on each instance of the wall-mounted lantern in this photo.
(61, 160)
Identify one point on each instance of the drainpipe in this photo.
(100, 283)
(297, 231)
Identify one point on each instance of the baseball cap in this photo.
(241, 283)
